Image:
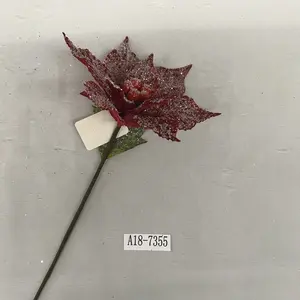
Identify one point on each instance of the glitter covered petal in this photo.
(166, 116)
(152, 114)
(164, 127)
(95, 93)
(153, 107)
(126, 54)
(144, 71)
(171, 81)
(117, 96)
(140, 95)
(188, 113)
(120, 61)
(150, 60)
(161, 125)
(94, 65)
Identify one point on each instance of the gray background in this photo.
(228, 193)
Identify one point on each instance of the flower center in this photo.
(136, 90)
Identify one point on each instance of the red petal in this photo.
(189, 113)
(133, 95)
(126, 53)
(164, 128)
(144, 71)
(120, 61)
(126, 86)
(153, 107)
(171, 81)
(127, 66)
(150, 60)
(150, 115)
(85, 94)
(183, 109)
(116, 116)
(166, 116)
(145, 93)
(95, 93)
(116, 95)
(94, 65)
(136, 83)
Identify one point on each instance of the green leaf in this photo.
(126, 142)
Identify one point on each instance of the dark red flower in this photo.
(138, 94)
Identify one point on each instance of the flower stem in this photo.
(72, 225)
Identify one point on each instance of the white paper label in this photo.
(147, 242)
(97, 129)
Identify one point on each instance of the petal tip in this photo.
(173, 138)
(150, 59)
(65, 36)
(68, 41)
(84, 93)
(186, 69)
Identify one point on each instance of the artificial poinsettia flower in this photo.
(137, 94)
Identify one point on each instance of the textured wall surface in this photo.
(228, 193)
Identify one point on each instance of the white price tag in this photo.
(97, 129)
(147, 242)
